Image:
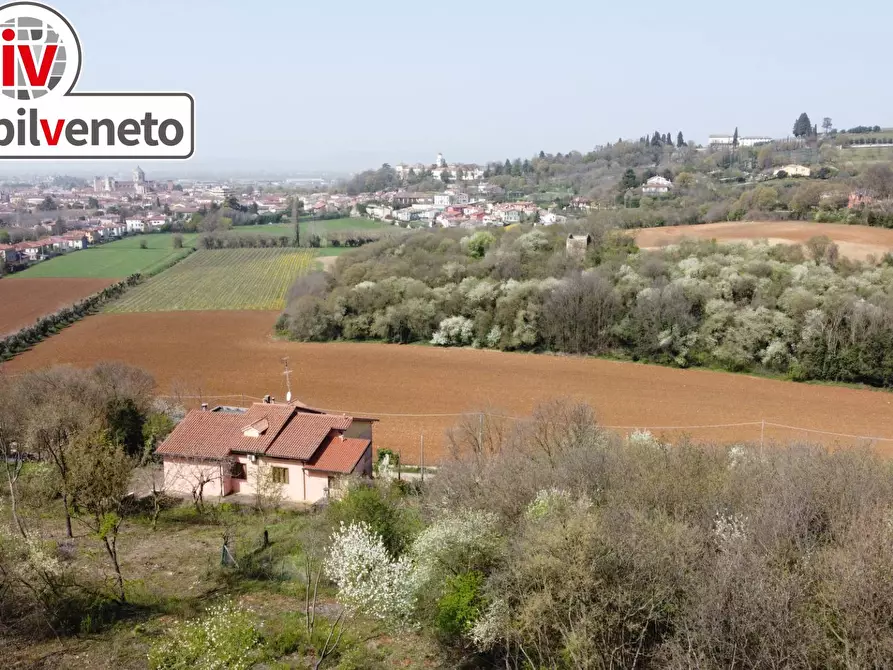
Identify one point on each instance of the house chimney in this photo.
(204, 407)
(266, 399)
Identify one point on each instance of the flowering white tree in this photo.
(369, 580)
(454, 331)
(465, 540)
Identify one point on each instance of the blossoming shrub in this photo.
(454, 331)
(369, 580)
(226, 638)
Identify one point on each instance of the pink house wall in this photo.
(183, 477)
(302, 486)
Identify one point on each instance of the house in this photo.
(512, 216)
(33, 251)
(793, 171)
(749, 141)
(443, 199)
(577, 245)
(581, 203)
(406, 215)
(657, 186)
(135, 225)
(75, 241)
(404, 199)
(8, 254)
(551, 218)
(156, 221)
(226, 450)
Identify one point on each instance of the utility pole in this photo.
(422, 456)
(481, 432)
(287, 374)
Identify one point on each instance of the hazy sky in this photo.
(338, 84)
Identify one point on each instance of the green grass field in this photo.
(113, 260)
(228, 279)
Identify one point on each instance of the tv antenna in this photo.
(287, 374)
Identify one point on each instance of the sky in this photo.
(344, 85)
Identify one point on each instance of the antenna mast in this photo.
(287, 374)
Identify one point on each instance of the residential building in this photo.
(793, 171)
(8, 253)
(747, 141)
(220, 193)
(135, 225)
(443, 199)
(306, 451)
(657, 186)
(406, 215)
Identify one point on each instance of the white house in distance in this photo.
(135, 225)
(793, 171)
(743, 141)
(305, 450)
(657, 186)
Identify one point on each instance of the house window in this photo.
(280, 475)
(237, 471)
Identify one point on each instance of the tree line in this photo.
(799, 311)
(48, 325)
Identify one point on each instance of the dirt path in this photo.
(856, 242)
(230, 353)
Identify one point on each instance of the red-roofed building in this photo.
(226, 450)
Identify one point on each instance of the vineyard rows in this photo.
(230, 279)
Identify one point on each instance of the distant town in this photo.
(62, 214)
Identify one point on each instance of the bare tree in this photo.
(100, 476)
(268, 493)
(194, 477)
(12, 463)
(312, 572)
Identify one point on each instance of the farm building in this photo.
(578, 244)
(230, 450)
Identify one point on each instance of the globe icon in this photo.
(37, 36)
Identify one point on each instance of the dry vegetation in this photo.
(548, 542)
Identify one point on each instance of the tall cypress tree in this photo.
(680, 141)
(297, 220)
(803, 126)
(735, 138)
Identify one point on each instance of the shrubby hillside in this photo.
(552, 543)
(800, 311)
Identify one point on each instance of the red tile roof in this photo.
(339, 455)
(287, 433)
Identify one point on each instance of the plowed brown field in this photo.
(856, 242)
(223, 353)
(22, 301)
